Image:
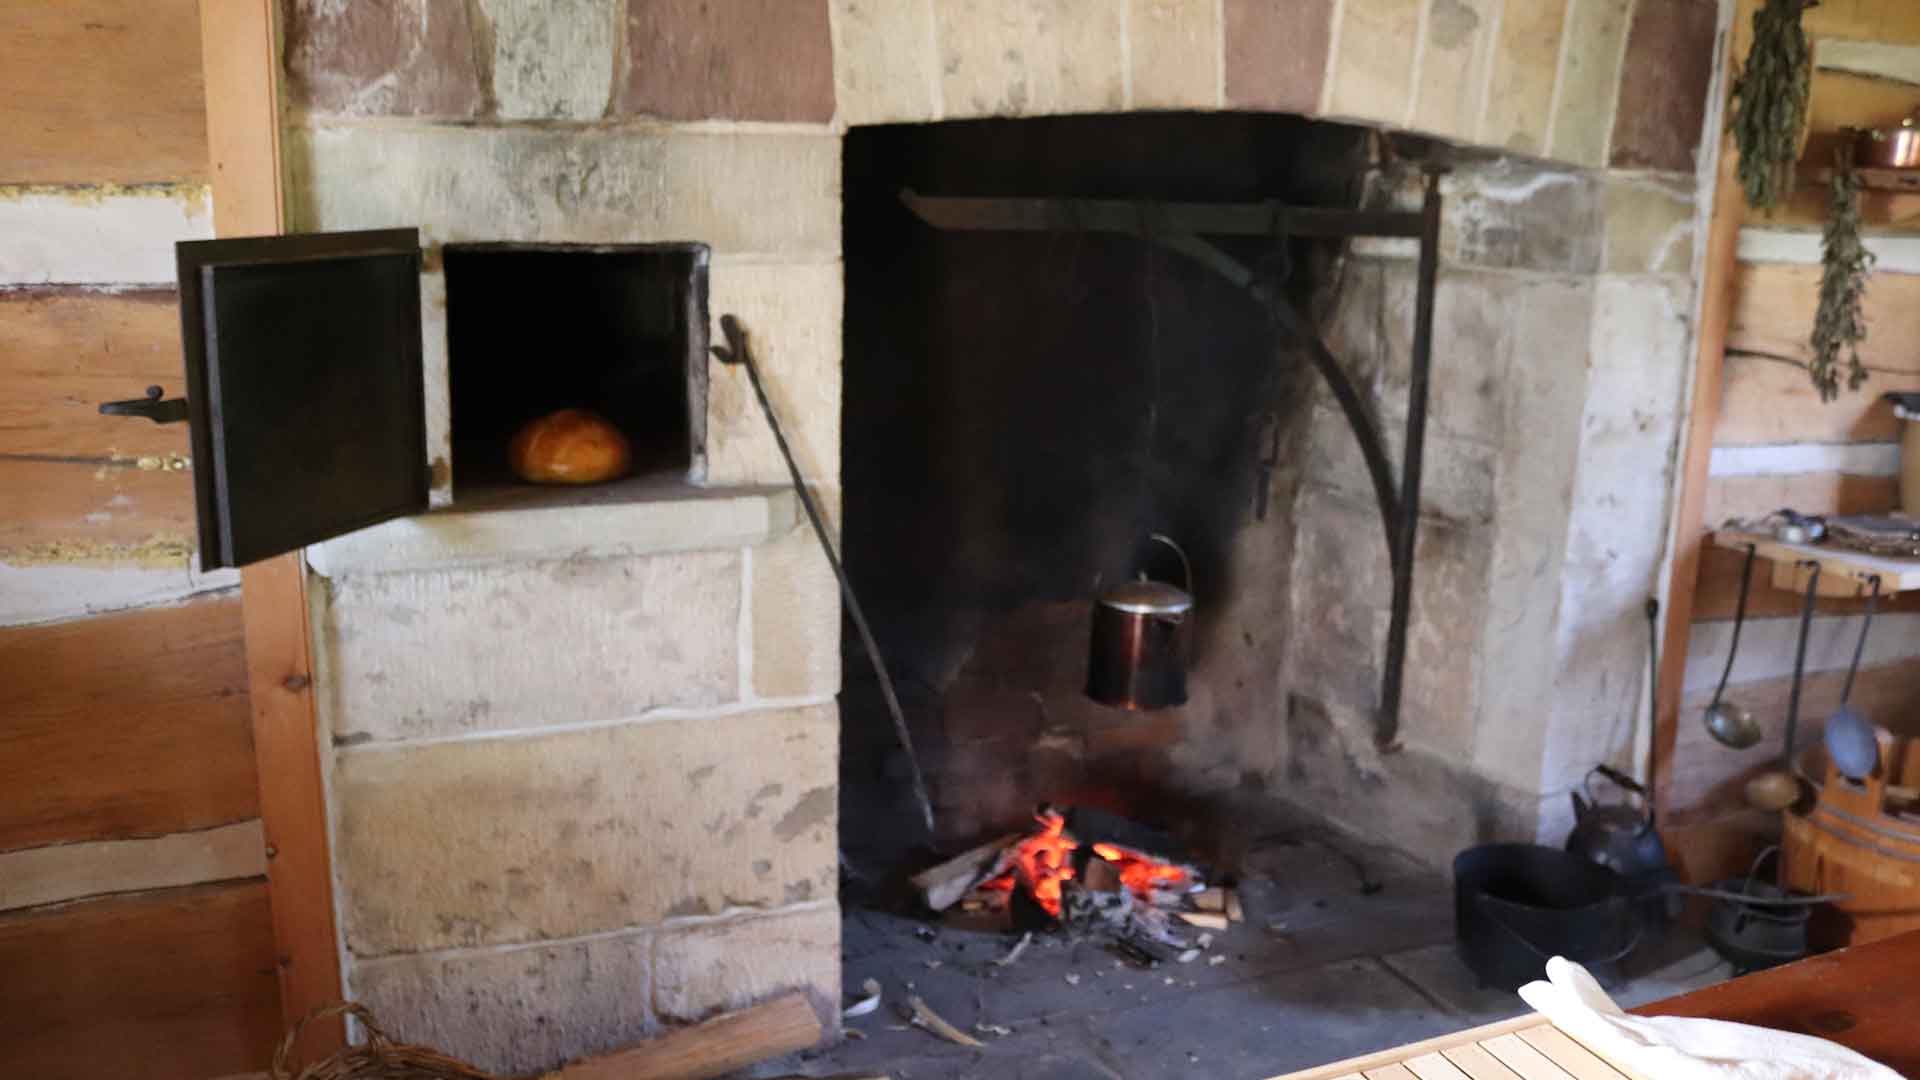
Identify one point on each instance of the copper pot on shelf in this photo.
(1896, 147)
(1137, 656)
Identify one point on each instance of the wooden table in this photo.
(1866, 998)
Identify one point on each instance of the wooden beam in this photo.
(64, 349)
(240, 48)
(1718, 284)
(293, 806)
(240, 54)
(124, 725)
(166, 985)
(100, 91)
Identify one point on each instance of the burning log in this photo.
(942, 886)
(1042, 863)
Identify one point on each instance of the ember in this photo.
(1041, 863)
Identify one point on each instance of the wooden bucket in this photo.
(1860, 839)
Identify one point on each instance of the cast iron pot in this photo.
(1760, 934)
(1517, 905)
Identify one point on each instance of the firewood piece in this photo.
(1101, 876)
(1213, 899)
(1013, 954)
(924, 1016)
(1235, 913)
(865, 1005)
(942, 886)
(1205, 920)
(713, 1047)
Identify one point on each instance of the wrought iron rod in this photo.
(736, 351)
(1123, 216)
(1406, 530)
(1800, 665)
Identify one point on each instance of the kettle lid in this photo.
(1145, 597)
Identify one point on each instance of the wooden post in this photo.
(1719, 278)
(240, 55)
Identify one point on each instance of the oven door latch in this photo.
(168, 411)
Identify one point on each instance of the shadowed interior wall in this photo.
(1024, 409)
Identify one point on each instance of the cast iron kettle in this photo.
(1138, 652)
(1619, 836)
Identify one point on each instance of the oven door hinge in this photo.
(168, 411)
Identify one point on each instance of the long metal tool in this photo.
(1800, 665)
(736, 351)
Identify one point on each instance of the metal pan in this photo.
(1887, 147)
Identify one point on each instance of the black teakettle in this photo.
(1617, 835)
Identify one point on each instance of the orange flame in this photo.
(1043, 863)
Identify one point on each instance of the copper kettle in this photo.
(1138, 651)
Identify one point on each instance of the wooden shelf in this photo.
(1842, 572)
(1901, 180)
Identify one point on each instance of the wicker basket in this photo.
(381, 1057)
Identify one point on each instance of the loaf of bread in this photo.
(572, 446)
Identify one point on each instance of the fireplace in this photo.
(1024, 410)
(528, 712)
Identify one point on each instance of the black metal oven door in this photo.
(304, 387)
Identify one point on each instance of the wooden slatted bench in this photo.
(1864, 998)
(1523, 1048)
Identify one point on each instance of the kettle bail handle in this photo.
(1620, 780)
(1186, 565)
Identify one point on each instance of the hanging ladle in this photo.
(1776, 789)
(1730, 724)
(1852, 745)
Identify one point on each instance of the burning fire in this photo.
(1042, 863)
(1142, 874)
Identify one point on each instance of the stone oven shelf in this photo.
(517, 523)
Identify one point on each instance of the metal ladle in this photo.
(1731, 725)
(1776, 789)
(1852, 745)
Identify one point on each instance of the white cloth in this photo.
(1682, 1048)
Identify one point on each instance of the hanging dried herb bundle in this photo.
(1838, 323)
(1770, 102)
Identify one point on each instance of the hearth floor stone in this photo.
(1317, 972)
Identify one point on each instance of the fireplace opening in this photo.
(619, 330)
(1023, 411)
